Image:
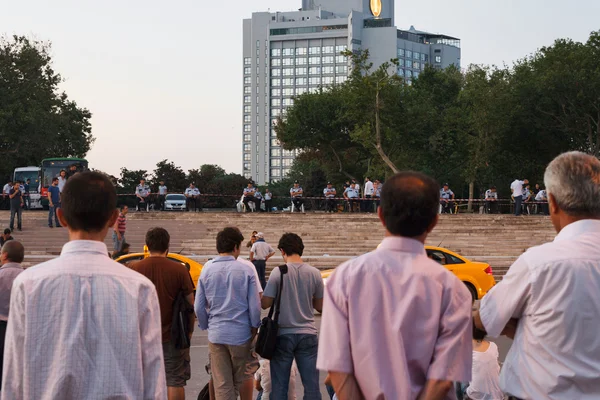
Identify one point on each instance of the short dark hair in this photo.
(478, 334)
(89, 200)
(291, 244)
(7, 231)
(122, 207)
(15, 252)
(158, 240)
(409, 203)
(125, 245)
(493, 187)
(54, 179)
(228, 239)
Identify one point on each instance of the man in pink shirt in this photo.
(397, 325)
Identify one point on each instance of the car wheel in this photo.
(472, 290)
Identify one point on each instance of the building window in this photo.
(247, 118)
(422, 56)
(247, 71)
(275, 162)
(301, 81)
(341, 69)
(408, 53)
(300, 71)
(407, 63)
(417, 55)
(341, 48)
(246, 109)
(314, 60)
(328, 59)
(275, 112)
(315, 80)
(288, 61)
(288, 52)
(314, 71)
(275, 62)
(286, 171)
(289, 91)
(416, 65)
(247, 99)
(438, 59)
(247, 147)
(275, 152)
(314, 50)
(408, 73)
(400, 53)
(246, 128)
(273, 121)
(286, 161)
(341, 59)
(300, 91)
(300, 51)
(400, 72)
(327, 49)
(328, 70)
(423, 66)
(415, 74)
(275, 172)
(247, 61)
(275, 102)
(246, 138)
(275, 143)
(276, 92)
(247, 80)
(327, 80)
(288, 102)
(275, 72)
(247, 90)
(275, 52)
(246, 166)
(275, 82)
(288, 72)
(300, 61)
(246, 156)
(288, 82)
(340, 79)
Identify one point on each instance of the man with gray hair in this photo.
(548, 300)
(11, 257)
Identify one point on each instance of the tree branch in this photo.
(341, 168)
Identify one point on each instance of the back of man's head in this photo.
(229, 239)
(158, 240)
(89, 202)
(573, 180)
(291, 244)
(409, 204)
(14, 251)
(7, 231)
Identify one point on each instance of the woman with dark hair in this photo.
(485, 382)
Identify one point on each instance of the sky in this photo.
(163, 80)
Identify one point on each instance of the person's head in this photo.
(409, 205)
(367, 179)
(54, 181)
(12, 251)
(290, 244)
(525, 181)
(260, 235)
(158, 240)
(229, 241)
(191, 185)
(493, 189)
(124, 209)
(6, 233)
(573, 184)
(329, 185)
(537, 185)
(266, 190)
(446, 186)
(16, 185)
(89, 205)
(296, 184)
(125, 247)
(28, 180)
(63, 173)
(250, 184)
(353, 180)
(352, 185)
(73, 167)
(161, 182)
(142, 181)
(478, 334)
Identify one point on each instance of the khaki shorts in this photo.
(177, 365)
(230, 365)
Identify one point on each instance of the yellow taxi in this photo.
(194, 267)
(477, 276)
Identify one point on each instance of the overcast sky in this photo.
(164, 79)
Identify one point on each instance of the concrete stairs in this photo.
(329, 239)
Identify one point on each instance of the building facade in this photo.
(286, 54)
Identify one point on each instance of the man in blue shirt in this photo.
(351, 195)
(228, 306)
(54, 203)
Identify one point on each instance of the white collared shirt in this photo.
(394, 319)
(83, 326)
(61, 183)
(553, 290)
(368, 188)
(192, 191)
(6, 188)
(517, 187)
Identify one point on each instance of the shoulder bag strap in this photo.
(283, 270)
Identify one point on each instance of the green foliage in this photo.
(130, 179)
(173, 176)
(37, 121)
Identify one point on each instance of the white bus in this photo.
(33, 174)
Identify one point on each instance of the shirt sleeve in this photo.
(507, 299)
(319, 287)
(453, 353)
(200, 305)
(153, 365)
(253, 248)
(187, 285)
(273, 284)
(334, 341)
(14, 344)
(254, 307)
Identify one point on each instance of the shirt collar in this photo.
(577, 228)
(223, 258)
(404, 244)
(84, 246)
(12, 265)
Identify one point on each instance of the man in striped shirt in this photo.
(119, 229)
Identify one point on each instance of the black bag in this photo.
(269, 327)
(180, 325)
(204, 394)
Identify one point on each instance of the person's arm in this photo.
(252, 251)
(153, 364)
(12, 196)
(271, 253)
(318, 304)
(200, 305)
(271, 289)
(452, 194)
(257, 385)
(188, 287)
(345, 386)
(319, 292)
(254, 303)
(14, 344)
(50, 199)
(435, 390)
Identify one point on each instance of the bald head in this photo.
(409, 204)
(12, 251)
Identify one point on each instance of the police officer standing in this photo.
(267, 199)
(249, 196)
(192, 195)
(142, 191)
(26, 194)
(296, 192)
(367, 204)
(329, 193)
(162, 194)
(446, 197)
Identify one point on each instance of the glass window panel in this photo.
(408, 63)
(314, 50)
(301, 61)
(288, 61)
(423, 56)
(314, 71)
(300, 51)
(275, 72)
(247, 99)
(408, 73)
(288, 82)
(246, 138)
(416, 65)
(247, 118)
(341, 48)
(438, 59)
(300, 71)
(247, 70)
(246, 157)
(288, 102)
(247, 80)
(275, 102)
(408, 53)
(328, 70)
(276, 172)
(327, 49)
(300, 91)
(288, 52)
(288, 72)
(247, 90)
(246, 109)
(315, 80)
(340, 79)
(417, 55)
(246, 128)
(341, 59)
(276, 92)
(247, 147)
(275, 52)
(247, 61)
(341, 69)
(415, 74)
(275, 62)
(301, 81)
(400, 71)
(314, 60)
(275, 162)
(275, 82)
(400, 53)
(276, 112)
(275, 152)
(327, 80)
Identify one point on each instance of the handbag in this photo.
(269, 326)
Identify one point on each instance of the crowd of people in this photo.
(395, 324)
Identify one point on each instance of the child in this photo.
(485, 383)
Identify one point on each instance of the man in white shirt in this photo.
(517, 193)
(542, 197)
(62, 180)
(162, 194)
(192, 197)
(368, 194)
(260, 253)
(82, 326)
(548, 300)
(491, 200)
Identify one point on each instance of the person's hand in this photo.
(118, 236)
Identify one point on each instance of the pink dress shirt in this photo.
(394, 319)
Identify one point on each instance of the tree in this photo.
(174, 176)
(37, 121)
(130, 179)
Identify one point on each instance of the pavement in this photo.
(199, 358)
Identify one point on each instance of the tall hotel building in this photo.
(287, 54)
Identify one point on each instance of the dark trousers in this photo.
(2, 336)
(52, 215)
(261, 268)
(19, 212)
(447, 208)
(27, 201)
(142, 204)
(330, 205)
(298, 201)
(518, 205)
(249, 199)
(352, 203)
(191, 201)
(268, 206)
(545, 209)
(161, 201)
(491, 207)
(367, 205)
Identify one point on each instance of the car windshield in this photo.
(175, 197)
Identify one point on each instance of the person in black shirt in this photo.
(16, 206)
(5, 237)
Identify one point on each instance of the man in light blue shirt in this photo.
(228, 306)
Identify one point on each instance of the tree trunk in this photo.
(471, 190)
(378, 145)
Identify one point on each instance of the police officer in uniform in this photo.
(249, 196)
(267, 199)
(446, 197)
(329, 193)
(491, 200)
(296, 192)
(142, 191)
(351, 195)
(162, 194)
(192, 195)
